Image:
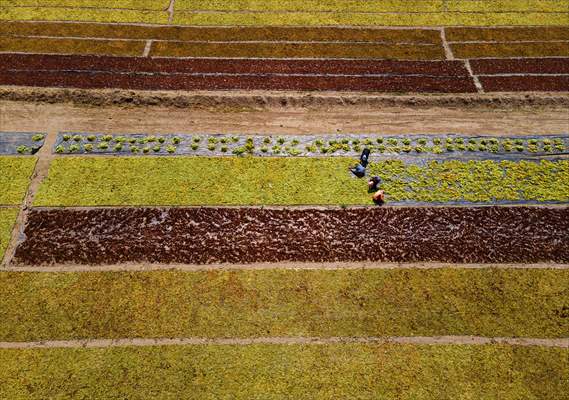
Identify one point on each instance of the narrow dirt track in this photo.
(284, 119)
(415, 340)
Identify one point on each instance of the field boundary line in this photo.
(477, 82)
(448, 51)
(141, 267)
(171, 10)
(198, 341)
(44, 157)
(147, 48)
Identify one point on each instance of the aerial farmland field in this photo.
(181, 216)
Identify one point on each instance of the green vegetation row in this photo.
(350, 371)
(7, 219)
(15, 173)
(310, 18)
(238, 145)
(489, 302)
(76, 181)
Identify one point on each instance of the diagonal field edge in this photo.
(196, 341)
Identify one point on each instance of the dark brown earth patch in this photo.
(71, 46)
(299, 50)
(505, 50)
(228, 34)
(47, 62)
(507, 34)
(542, 83)
(100, 80)
(520, 66)
(247, 235)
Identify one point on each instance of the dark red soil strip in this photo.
(228, 235)
(39, 62)
(521, 66)
(525, 83)
(86, 80)
(507, 34)
(306, 34)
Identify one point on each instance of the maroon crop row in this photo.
(249, 74)
(210, 235)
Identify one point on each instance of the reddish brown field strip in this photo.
(100, 80)
(40, 62)
(71, 46)
(299, 50)
(520, 66)
(228, 34)
(525, 83)
(208, 235)
(506, 50)
(544, 34)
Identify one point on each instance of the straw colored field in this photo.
(128, 4)
(290, 181)
(15, 175)
(272, 303)
(291, 12)
(378, 19)
(82, 14)
(350, 371)
(7, 219)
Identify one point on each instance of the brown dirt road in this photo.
(286, 118)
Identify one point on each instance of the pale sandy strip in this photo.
(197, 341)
(171, 9)
(334, 266)
(448, 50)
(147, 48)
(477, 83)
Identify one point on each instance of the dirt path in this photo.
(414, 340)
(331, 266)
(288, 118)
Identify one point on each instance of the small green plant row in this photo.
(303, 145)
(145, 144)
(32, 145)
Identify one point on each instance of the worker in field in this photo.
(359, 170)
(378, 197)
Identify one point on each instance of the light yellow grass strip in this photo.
(312, 5)
(7, 219)
(75, 14)
(493, 6)
(377, 19)
(130, 4)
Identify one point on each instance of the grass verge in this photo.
(350, 371)
(492, 302)
(15, 173)
(7, 219)
(75, 181)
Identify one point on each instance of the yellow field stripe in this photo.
(76, 14)
(492, 6)
(130, 4)
(377, 19)
(312, 5)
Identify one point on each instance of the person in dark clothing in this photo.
(373, 184)
(364, 158)
(358, 170)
